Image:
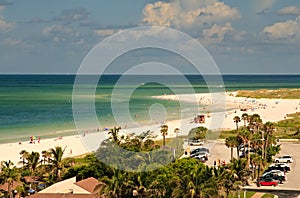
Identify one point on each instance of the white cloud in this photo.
(288, 30)
(104, 32)
(59, 34)
(217, 32)
(290, 10)
(58, 29)
(12, 41)
(5, 26)
(188, 13)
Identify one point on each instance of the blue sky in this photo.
(249, 36)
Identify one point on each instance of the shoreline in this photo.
(81, 143)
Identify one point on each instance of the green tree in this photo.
(114, 132)
(256, 162)
(245, 118)
(198, 133)
(9, 174)
(57, 154)
(245, 135)
(114, 186)
(164, 131)
(24, 155)
(268, 129)
(33, 160)
(231, 142)
(239, 169)
(236, 120)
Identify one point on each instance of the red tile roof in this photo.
(5, 186)
(88, 184)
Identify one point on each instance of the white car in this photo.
(197, 143)
(284, 159)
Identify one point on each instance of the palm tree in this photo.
(113, 186)
(56, 161)
(245, 136)
(239, 169)
(114, 133)
(268, 130)
(24, 155)
(245, 118)
(164, 131)
(46, 156)
(33, 160)
(231, 142)
(255, 122)
(9, 174)
(236, 120)
(256, 161)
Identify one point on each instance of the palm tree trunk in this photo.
(164, 140)
(266, 144)
(254, 172)
(237, 152)
(9, 190)
(231, 153)
(249, 148)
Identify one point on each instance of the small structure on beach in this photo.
(199, 119)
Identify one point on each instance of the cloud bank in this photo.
(187, 14)
(288, 30)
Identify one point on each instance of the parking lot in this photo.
(220, 152)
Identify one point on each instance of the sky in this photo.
(243, 37)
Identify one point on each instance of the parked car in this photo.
(278, 178)
(202, 157)
(278, 172)
(201, 153)
(196, 143)
(268, 182)
(284, 159)
(199, 150)
(284, 165)
(276, 168)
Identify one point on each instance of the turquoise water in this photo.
(41, 105)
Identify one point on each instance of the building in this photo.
(70, 188)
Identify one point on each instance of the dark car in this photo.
(274, 176)
(285, 167)
(198, 150)
(276, 168)
(268, 182)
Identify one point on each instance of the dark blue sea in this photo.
(41, 105)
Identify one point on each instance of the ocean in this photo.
(41, 105)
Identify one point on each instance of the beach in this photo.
(269, 109)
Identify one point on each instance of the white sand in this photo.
(269, 110)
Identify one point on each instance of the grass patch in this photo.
(289, 128)
(249, 194)
(267, 196)
(264, 93)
